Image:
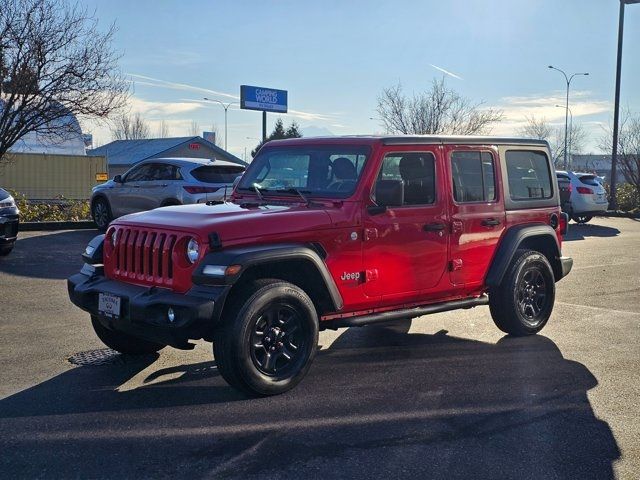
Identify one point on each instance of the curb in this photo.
(52, 226)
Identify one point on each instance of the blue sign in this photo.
(263, 99)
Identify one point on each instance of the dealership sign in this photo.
(263, 99)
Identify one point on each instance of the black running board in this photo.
(404, 313)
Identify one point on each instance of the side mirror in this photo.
(118, 179)
(389, 193)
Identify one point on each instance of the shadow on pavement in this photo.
(51, 255)
(581, 231)
(376, 404)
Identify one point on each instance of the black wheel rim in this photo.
(100, 214)
(532, 296)
(278, 340)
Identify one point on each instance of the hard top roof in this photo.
(415, 140)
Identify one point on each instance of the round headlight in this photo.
(193, 250)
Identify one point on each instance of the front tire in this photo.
(101, 213)
(268, 338)
(123, 343)
(523, 302)
(6, 249)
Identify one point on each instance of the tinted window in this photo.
(590, 180)
(473, 177)
(217, 174)
(138, 174)
(528, 174)
(416, 170)
(163, 171)
(331, 170)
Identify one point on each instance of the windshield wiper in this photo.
(297, 191)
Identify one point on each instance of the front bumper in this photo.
(143, 310)
(9, 228)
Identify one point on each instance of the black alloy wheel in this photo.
(101, 213)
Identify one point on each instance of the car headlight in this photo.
(8, 202)
(193, 250)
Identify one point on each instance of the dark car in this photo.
(9, 219)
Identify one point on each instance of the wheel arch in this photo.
(167, 202)
(541, 238)
(301, 265)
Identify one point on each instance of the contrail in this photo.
(446, 72)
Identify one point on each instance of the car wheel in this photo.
(123, 343)
(268, 338)
(523, 302)
(101, 213)
(6, 249)
(581, 218)
(170, 203)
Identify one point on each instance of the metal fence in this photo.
(47, 177)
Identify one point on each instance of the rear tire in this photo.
(123, 343)
(268, 338)
(581, 218)
(6, 249)
(101, 213)
(523, 302)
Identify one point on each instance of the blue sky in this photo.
(335, 57)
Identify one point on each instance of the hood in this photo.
(232, 221)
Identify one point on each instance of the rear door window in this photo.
(528, 174)
(473, 176)
(217, 174)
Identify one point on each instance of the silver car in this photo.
(161, 182)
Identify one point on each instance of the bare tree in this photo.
(628, 147)
(163, 129)
(194, 128)
(541, 129)
(130, 127)
(54, 64)
(438, 110)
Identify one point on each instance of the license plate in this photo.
(109, 305)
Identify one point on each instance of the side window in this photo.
(164, 171)
(138, 174)
(528, 174)
(473, 176)
(417, 171)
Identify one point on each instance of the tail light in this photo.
(570, 188)
(201, 189)
(564, 223)
(584, 190)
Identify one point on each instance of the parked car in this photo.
(162, 182)
(330, 233)
(581, 195)
(9, 221)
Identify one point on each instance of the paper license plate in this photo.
(109, 305)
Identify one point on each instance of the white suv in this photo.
(582, 195)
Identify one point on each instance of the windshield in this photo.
(331, 170)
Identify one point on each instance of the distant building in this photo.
(122, 154)
(600, 164)
(67, 139)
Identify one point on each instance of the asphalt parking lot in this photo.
(453, 398)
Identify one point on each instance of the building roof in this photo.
(190, 161)
(129, 152)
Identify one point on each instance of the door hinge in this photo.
(455, 264)
(456, 226)
(370, 234)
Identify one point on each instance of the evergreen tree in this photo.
(279, 133)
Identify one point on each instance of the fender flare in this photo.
(511, 241)
(252, 256)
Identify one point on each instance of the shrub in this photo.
(56, 211)
(627, 197)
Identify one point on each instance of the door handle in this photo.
(490, 222)
(433, 227)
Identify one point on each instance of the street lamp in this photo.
(226, 107)
(570, 128)
(613, 204)
(566, 113)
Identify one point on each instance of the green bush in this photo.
(628, 198)
(58, 211)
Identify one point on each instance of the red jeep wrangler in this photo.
(328, 233)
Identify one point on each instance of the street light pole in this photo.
(613, 204)
(566, 113)
(226, 107)
(570, 130)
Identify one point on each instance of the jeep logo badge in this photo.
(346, 276)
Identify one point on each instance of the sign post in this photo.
(265, 100)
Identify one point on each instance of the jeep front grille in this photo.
(144, 255)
